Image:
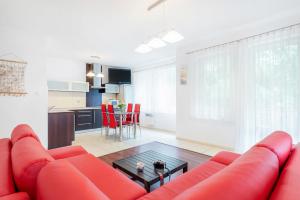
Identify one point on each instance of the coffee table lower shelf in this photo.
(149, 177)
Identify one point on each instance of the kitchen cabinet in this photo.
(87, 119)
(60, 129)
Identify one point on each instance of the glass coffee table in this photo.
(149, 176)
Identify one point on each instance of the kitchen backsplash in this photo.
(66, 99)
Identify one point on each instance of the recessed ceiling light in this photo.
(172, 37)
(156, 43)
(143, 48)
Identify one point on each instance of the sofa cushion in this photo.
(184, 181)
(65, 152)
(28, 158)
(6, 180)
(111, 182)
(16, 196)
(61, 180)
(250, 177)
(22, 131)
(288, 185)
(225, 157)
(278, 142)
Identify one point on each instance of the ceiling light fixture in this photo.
(100, 75)
(156, 43)
(143, 48)
(172, 37)
(90, 74)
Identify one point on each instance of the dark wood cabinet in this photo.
(60, 129)
(98, 118)
(87, 119)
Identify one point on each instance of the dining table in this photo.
(121, 116)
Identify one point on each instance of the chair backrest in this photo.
(112, 120)
(110, 108)
(129, 109)
(104, 115)
(137, 111)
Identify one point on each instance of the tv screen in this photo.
(119, 76)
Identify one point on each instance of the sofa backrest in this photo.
(22, 131)
(250, 177)
(61, 180)
(280, 143)
(6, 181)
(28, 158)
(288, 185)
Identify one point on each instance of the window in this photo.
(212, 83)
(155, 89)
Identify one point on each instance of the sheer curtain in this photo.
(155, 89)
(269, 86)
(212, 74)
(254, 83)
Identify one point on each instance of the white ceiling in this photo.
(112, 29)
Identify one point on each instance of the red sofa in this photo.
(62, 173)
(269, 170)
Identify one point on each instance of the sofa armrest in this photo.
(66, 152)
(16, 196)
(225, 157)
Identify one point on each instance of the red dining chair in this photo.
(129, 110)
(113, 122)
(136, 116)
(128, 120)
(104, 118)
(110, 108)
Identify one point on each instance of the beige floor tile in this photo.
(100, 145)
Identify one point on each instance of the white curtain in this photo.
(254, 83)
(212, 74)
(155, 89)
(269, 86)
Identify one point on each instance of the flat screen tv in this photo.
(119, 76)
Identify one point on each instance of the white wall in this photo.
(32, 108)
(213, 132)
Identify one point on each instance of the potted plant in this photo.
(122, 107)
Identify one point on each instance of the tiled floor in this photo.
(100, 145)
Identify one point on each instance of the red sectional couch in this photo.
(269, 170)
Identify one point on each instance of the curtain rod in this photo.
(245, 38)
(167, 64)
(13, 61)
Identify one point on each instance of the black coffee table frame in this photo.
(149, 177)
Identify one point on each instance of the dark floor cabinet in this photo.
(60, 129)
(87, 119)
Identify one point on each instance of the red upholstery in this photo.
(137, 110)
(225, 157)
(111, 182)
(110, 108)
(21, 131)
(65, 152)
(16, 196)
(6, 178)
(288, 185)
(279, 143)
(60, 180)
(104, 116)
(28, 158)
(185, 181)
(129, 116)
(250, 177)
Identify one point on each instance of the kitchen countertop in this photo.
(62, 110)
